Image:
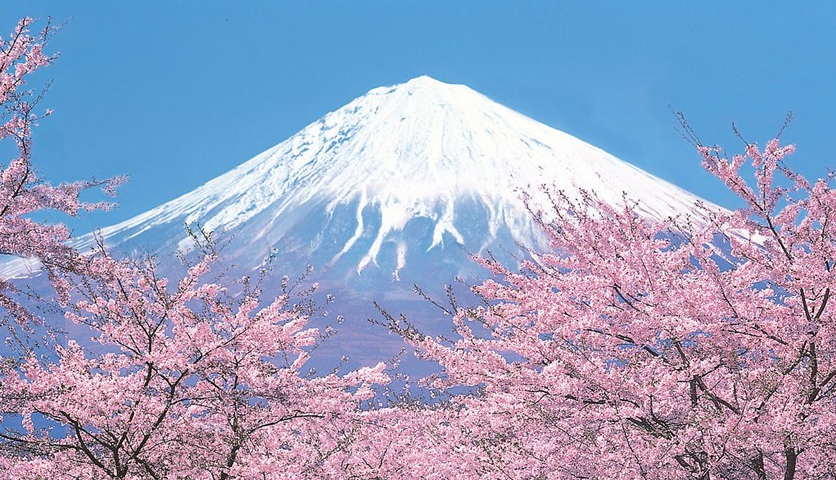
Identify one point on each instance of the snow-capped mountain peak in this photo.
(391, 177)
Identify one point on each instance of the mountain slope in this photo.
(396, 188)
(405, 178)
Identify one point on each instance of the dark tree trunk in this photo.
(758, 466)
(792, 459)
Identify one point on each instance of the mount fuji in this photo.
(394, 175)
(397, 187)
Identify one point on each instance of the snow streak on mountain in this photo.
(408, 177)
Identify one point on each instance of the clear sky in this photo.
(174, 93)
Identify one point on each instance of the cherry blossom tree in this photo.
(639, 349)
(180, 381)
(22, 192)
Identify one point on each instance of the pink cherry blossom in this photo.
(657, 350)
(21, 191)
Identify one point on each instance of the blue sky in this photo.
(174, 93)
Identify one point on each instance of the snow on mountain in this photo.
(394, 189)
(403, 176)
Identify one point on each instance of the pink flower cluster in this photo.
(21, 191)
